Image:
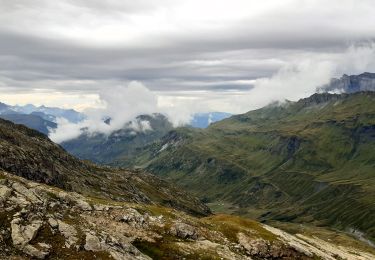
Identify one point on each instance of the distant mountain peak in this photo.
(350, 84)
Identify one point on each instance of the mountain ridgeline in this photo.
(54, 206)
(30, 154)
(351, 84)
(42, 118)
(309, 162)
(306, 161)
(121, 144)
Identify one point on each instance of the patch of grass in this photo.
(230, 226)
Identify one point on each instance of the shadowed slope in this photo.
(32, 155)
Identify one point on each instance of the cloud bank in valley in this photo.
(121, 105)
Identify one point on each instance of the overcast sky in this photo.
(231, 56)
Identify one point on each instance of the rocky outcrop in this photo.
(69, 232)
(92, 243)
(4, 193)
(39, 222)
(184, 231)
(75, 199)
(118, 250)
(352, 83)
(23, 233)
(40, 216)
(265, 249)
(134, 218)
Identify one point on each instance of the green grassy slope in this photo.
(306, 161)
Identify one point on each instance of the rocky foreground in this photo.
(44, 222)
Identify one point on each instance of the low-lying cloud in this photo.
(298, 78)
(121, 105)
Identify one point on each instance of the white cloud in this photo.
(65, 131)
(121, 103)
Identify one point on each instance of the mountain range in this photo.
(54, 206)
(310, 161)
(120, 144)
(42, 118)
(292, 180)
(316, 154)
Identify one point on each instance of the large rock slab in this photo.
(69, 232)
(184, 231)
(29, 194)
(5, 192)
(92, 243)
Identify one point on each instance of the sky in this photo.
(190, 56)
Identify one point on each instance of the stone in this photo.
(184, 231)
(69, 232)
(121, 256)
(5, 193)
(130, 252)
(53, 222)
(76, 199)
(38, 253)
(19, 200)
(23, 234)
(29, 194)
(134, 218)
(254, 247)
(92, 243)
(83, 205)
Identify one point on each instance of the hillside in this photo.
(121, 144)
(30, 154)
(310, 161)
(32, 121)
(54, 206)
(38, 221)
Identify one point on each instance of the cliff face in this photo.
(352, 83)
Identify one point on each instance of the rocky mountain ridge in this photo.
(43, 222)
(351, 84)
(122, 143)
